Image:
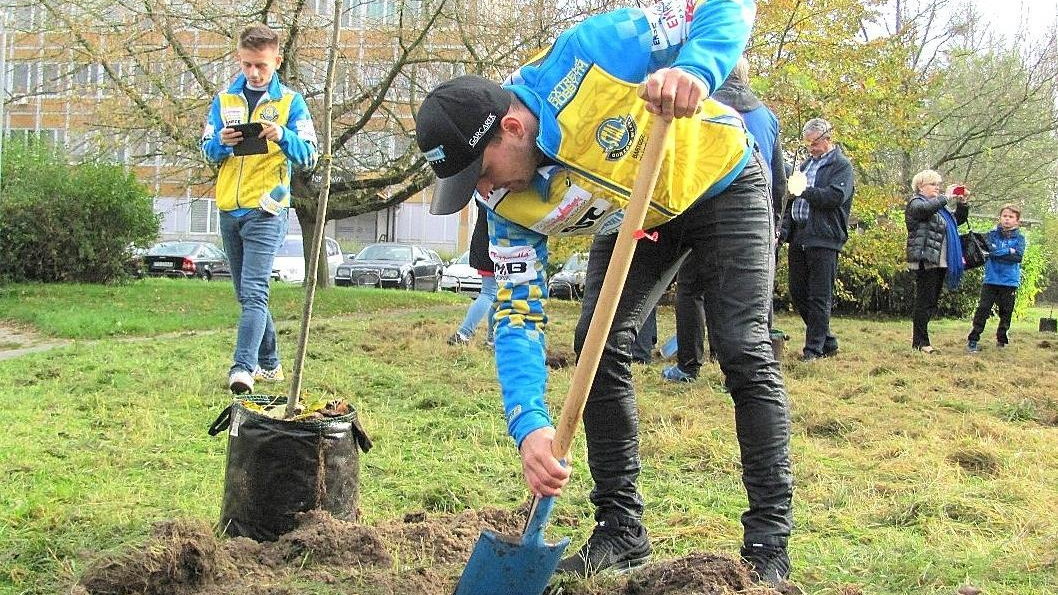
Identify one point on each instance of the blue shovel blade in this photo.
(513, 564)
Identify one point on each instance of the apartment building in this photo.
(56, 89)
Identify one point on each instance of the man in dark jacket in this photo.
(816, 227)
(690, 289)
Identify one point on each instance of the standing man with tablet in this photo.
(253, 189)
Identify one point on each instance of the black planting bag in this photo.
(276, 469)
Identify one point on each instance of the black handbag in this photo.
(974, 249)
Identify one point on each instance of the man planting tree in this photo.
(554, 152)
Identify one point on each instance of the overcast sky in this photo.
(1008, 16)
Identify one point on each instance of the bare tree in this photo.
(156, 64)
(988, 115)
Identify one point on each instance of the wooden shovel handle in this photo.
(613, 284)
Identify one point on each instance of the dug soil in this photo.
(418, 555)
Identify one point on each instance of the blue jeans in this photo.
(251, 242)
(481, 306)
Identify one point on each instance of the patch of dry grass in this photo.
(915, 474)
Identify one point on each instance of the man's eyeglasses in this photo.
(817, 140)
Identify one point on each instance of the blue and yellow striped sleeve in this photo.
(520, 259)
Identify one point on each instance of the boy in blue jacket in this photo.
(1006, 247)
(253, 193)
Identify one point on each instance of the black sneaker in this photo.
(457, 338)
(613, 545)
(768, 564)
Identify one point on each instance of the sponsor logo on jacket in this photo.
(514, 264)
(567, 87)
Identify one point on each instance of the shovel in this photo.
(523, 564)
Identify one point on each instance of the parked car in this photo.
(568, 282)
(460, 277)
(183, 259)
(289, 264)
(389, 264)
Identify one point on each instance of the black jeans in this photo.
(928, 283)
(1001, 296)
(690, 319)
(729, 235)
(812, 274)
(646, 339)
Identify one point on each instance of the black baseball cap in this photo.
(454, 124)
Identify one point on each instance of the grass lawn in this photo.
(914, 474)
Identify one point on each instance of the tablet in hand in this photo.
(251, 143)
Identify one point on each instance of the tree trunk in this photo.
(307, 218)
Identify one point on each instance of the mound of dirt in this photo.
(182, 557)
(179, 557)
(694, 574)
(558, 359)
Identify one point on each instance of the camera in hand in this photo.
(251, 143)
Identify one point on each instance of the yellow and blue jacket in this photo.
(593, 129)
(242, 180)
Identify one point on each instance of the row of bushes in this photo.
(63, 222)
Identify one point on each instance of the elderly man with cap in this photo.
(554, 152)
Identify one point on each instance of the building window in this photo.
(352, 16)
(378, 12)
(21, 78)
(86, 76)
(372, 73)
(51, 82)
(26, 17)
(204, 216)
(55, 136)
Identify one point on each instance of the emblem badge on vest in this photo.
(270, 113)
(615, 136)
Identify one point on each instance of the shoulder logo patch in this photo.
(567, 86)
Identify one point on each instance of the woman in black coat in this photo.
(933, 249)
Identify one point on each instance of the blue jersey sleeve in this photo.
(212, 149)
(299, 141)
(704, 38)
(519, 256)
(718, 36)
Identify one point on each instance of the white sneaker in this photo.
(240, 382)
(276, 375)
